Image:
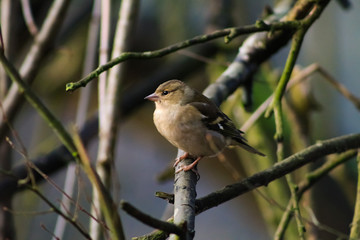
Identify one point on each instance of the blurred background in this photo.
(143, 156)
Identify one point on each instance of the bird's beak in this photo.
(152, 97)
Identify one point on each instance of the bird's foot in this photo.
(179, 159)
(190, 166)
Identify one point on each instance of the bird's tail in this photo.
(247, 147)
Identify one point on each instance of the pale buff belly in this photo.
(191, 137)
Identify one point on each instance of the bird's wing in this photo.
(216, 120)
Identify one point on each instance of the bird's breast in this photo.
(175, 123)
(184, 129)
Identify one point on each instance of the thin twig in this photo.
(293, 53)
(309, 180)
(181, 45)
(340, 87)
(58, 211)
(81, 114)
(285, 77)
(152, 222)
(48, 231)
(280, 156)
(2, 46)
(104, 41)
(106, 203)
(302, 76)
(28, 17)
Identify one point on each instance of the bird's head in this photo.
(172, 92)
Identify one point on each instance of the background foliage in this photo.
(312, 111)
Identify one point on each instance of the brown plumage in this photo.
(192, 122)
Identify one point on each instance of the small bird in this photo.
(192, 122)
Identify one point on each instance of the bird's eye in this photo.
(165, 93)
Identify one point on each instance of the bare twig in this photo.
(29, 19)
(104, 41)
(58, 211)
(31, 63)
(107, 205)
(152, 222)
(84, 100)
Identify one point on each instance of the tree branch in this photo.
(280, 169)
(33, 99)
(153, 222)
(31, 63)
(263, 178)
(184, 198)
(232, 32)
(310, 179)
(355, 224)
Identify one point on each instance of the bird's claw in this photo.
(190, 167)
(179, 159)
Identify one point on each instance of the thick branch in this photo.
(263, 178)
(184, 198)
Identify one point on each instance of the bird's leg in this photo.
(179, 159)
(190, 166)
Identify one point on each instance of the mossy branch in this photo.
(167, 227)
(310, 179)
(280, 169)
(39, 106)
(228, 33)
(107, 205)
(355, 225)
(297, 40)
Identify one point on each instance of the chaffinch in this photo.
(192, 122)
